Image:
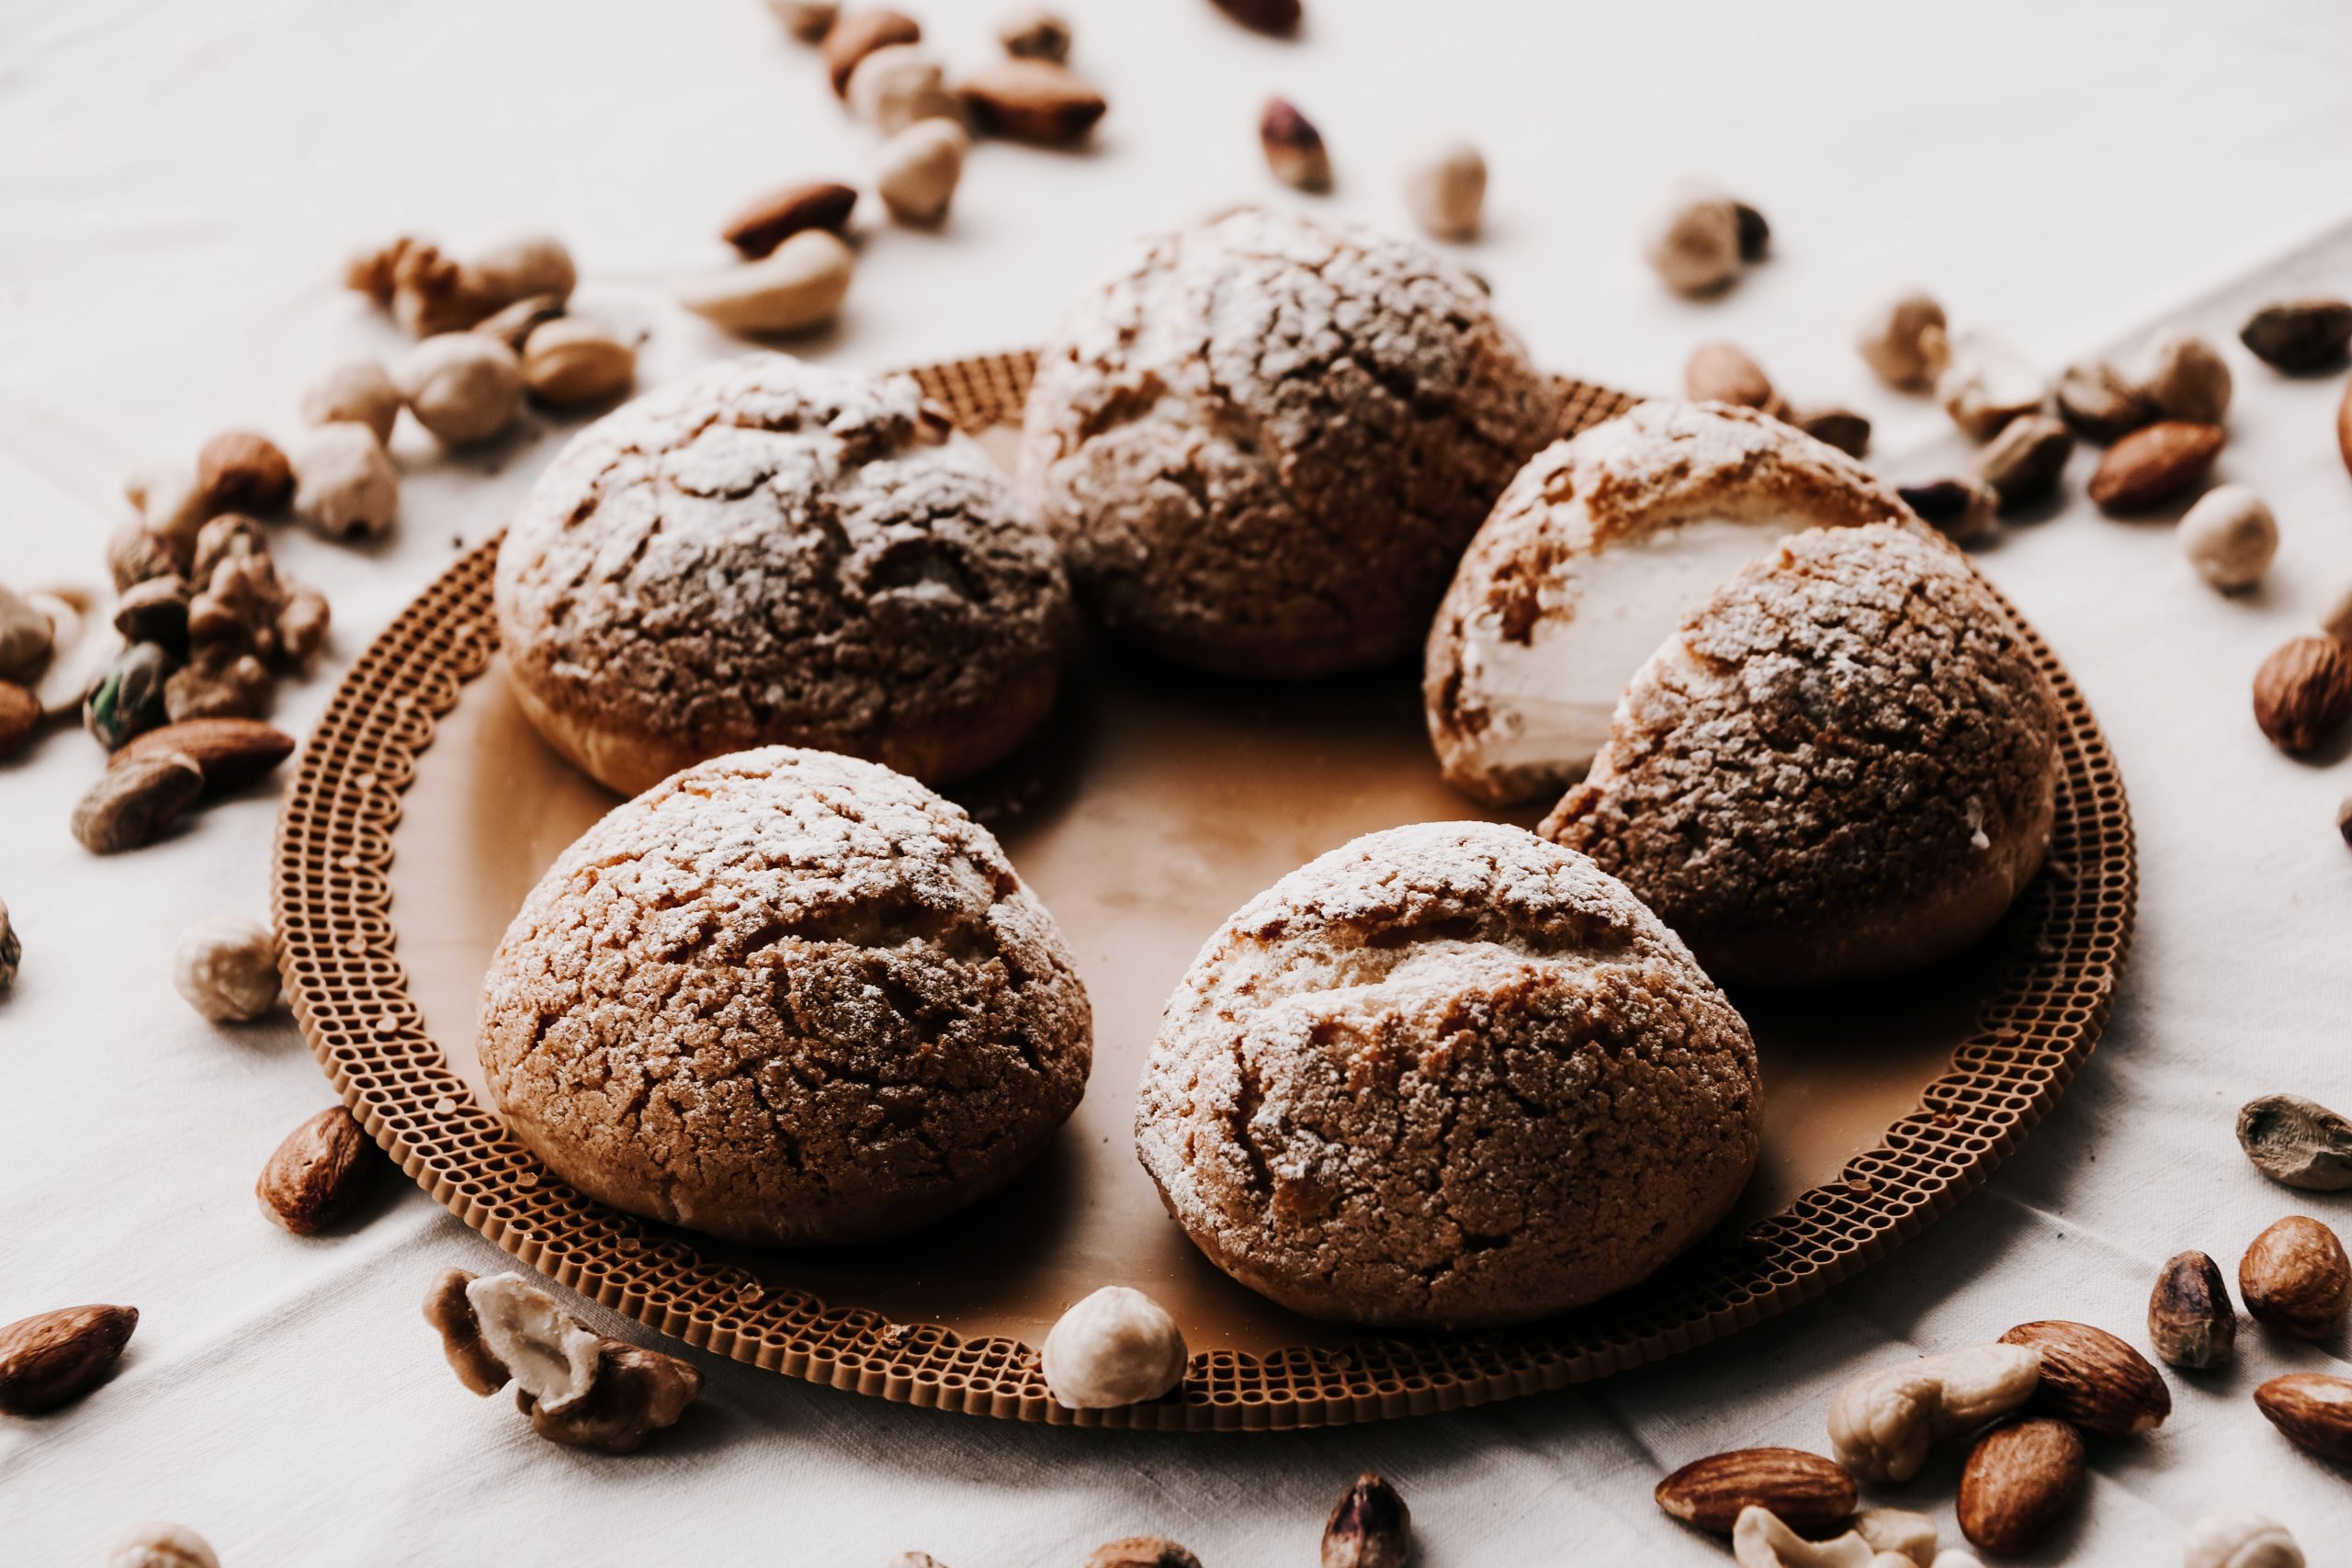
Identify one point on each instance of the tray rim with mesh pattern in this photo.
(330, 900)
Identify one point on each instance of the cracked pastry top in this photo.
(1447, 1076)
(1844, 764)
(1589, 560)
(770, 552)
(785, 996)
(1263, 442)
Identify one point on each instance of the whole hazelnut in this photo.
(2230, 537)
(1904, 340)
(227, 970)
(569, 362)
(357, 391)
(2186, 378)
(241, 471)
(1693, 242)
(1446, 187)
(2302, 693)
(2296, 1279)
(463, 387)
(344, 486)
(1117, 1346)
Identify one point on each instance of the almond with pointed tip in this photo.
(2093, 1379)
(54, 1357)
(1805, 1491)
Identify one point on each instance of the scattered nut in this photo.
(134, 554)
(1031, 100)
(229, 752)
(2299, 335)
(55, 1357)
(462, 387)
(570, 363)
(1033, 32)
(1369, 1528)
(316, 1172)
(2019, 1481)
(24, 631)
(1961, 509)
(1693, 242)
(356, 391)
(1294, 148)
(1987, 384)
(2302, 693)
(2093, 1379)
(1839, 427)
(513, 325)
(1723, 373)
(19, 717)
(852, 37)
(2295, 1277)
(2314, 1410)
(1904, 340)
(1760, 1540)
(302, 624)
(808, 20)
(549, 1353)
(1882, 1423)
(129, 698)
(2297, 1142)
(1446, 187)
(345, 487)
(635, 1393)
(230, 535)
(2154, 462)
(520, 267)
(1755, 232)
(1141, 1552)
(82, 645)
(898, 84)
(761, 226)
(162, 1544)
(427, 291)
(2344, 820)
(219, 682)
(917, 171)
(170, 501)
(227, 968)
(2190, 1320)
(133, 807)
(2024, 462)
(1897, 1532)
(239, 470)
(154, 612)
(2101, 402)
(1116, 1347)
(1805, 1490)
(800, 286)
(2239, 1540)
(2187, 379)
(2230, 537)
(1262, 16)
(12, 951)
(451, 1314)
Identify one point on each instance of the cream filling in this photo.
(1549, 701)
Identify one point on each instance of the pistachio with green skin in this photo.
(129, 698)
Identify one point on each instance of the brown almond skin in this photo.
(2295, 1279)
(2190, 1321)
(241, 471)
(2153, 463)
(316, 1172)
(1141, 1552)
(2303, 693)
(229, 752)
(19, 716)
(859, 34)
(1725, 373)
(2019, 1481)
(1275, 16)
(760, 226)
(2314, 1410)
(1810, 1495)
(2092, 1378)
(1369, 1528)
(2299, 335)
(54, 1357)
(1031, 100)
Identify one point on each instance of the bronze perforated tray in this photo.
(1154, 805)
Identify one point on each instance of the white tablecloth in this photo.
(177, 186)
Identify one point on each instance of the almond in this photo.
(2314, 1410)
(316, 1172)
(1031, 100)
(56, 1356)
(1262, 16)
(859, 34)
(2302, 693)
(2152, 462)
(761, 226)
(229, 752)
(2019, 1481)
(1808, 1493)
(2299, 335)
(2092, 1378)
(2295, 1277)
(1724, 373)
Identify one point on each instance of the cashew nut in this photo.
(1882, 1424)
(1899, 1533)
(1758, 1540)
(2239, 1540)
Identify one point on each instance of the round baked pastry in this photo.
(1446, 1076)
(1263, 442)
(785, 996)
(1844, 764)
(1591, 558)
(774, 552)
